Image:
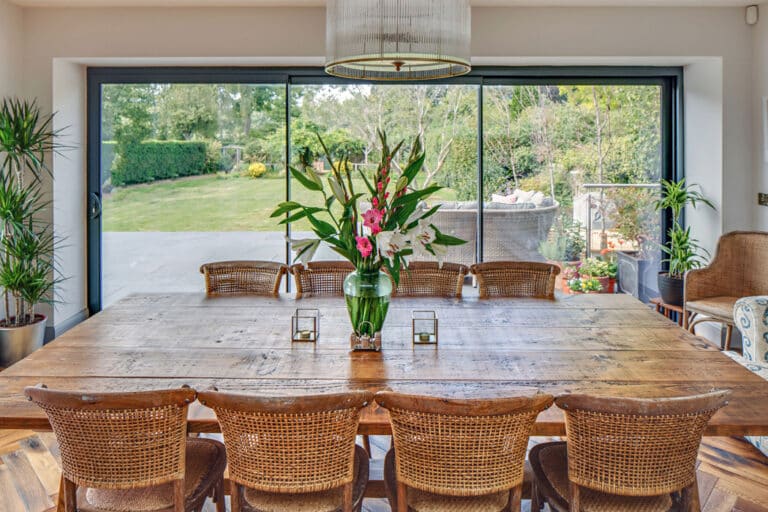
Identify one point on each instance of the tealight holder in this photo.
(424, 327)
(305, 325)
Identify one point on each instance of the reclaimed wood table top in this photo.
(603, 344)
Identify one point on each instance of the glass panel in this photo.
(190, 173)
(571, 172)
(348, 116)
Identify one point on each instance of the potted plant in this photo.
(27, 269)
(564, 248)
(682, 250)
(591, 285)
(636, 222)
(602, 270)
(391, 226)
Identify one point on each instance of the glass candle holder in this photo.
(424, 327)
(305, 325)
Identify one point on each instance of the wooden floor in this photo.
(733, 476)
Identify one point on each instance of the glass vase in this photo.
(367, 294)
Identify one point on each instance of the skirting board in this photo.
(52, 332)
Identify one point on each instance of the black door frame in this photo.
(669, 78)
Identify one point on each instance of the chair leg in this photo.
(219, 498)
(367, 445)
(515, 499)
(402, 498)
(234, 496)
(575, 501)
(690, 498)
(346, 499)
(728, 334)
(70, 495)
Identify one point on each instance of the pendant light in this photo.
(397, 39)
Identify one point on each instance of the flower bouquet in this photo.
(378, 227)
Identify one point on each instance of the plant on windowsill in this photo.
(682, 250)
(28, 272)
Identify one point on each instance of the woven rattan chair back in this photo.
(321, 278)
(516, 279)
(118, 440)
(636, 447)
(429, 279)
(243, 277)
(469, 447)
(289, 445)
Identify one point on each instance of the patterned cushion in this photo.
(761, 369)
(751, 317)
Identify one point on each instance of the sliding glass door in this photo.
(185, 165)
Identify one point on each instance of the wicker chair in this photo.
(320, 278)
(735, 272)
(428, 279)
(624, 454)
(288, 452)
(243, 277)
(516, 279)
(458, 455)
(130, 451)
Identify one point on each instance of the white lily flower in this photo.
(440, 252)
(390, 243)
(299, 244)
(424, 232)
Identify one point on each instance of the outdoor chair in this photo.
(130, 451)
(734, 272)
(321, 278)
(516, 279)
(288, 454)
(624, 454)
(243, 277)
(457, 454)
(429, 279)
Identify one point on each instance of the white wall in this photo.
(714, 44)
(10, 48)
(760, 90)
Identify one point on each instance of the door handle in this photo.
(94, 206)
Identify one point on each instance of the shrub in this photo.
(107, 158)
(149, 161)
(343, 166)
(255, 170)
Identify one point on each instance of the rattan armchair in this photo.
(736, 271)
(321, 278)
(624, 454)
(285, 452)
(516, 279)
(429, 279)
(243, 277)
(130, 451)
(459, 455)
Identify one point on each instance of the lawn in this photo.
(205, 203)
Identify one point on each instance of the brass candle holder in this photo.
(424, 327)
(305, 325)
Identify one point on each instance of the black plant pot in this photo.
(671, 289)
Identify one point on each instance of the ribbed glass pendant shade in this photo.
(397, 39)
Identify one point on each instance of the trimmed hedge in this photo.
(158, 160)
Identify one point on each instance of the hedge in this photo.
(158, 160)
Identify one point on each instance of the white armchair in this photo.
(750, 315)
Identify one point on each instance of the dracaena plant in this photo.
(382, 224)
(682, 250)
(28, 271)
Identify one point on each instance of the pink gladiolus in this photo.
(364, 246)
(375, 202)
(380, 186)
(372, 216)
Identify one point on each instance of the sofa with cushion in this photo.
(512, 231)
(751, 318)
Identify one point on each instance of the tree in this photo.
(187, 110)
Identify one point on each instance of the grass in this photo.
(206, 203)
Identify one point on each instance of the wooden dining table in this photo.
(594, 343)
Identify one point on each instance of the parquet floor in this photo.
(733, 476)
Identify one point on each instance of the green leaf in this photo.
(321, 228)
(304, 180)
(300, 215)
(285, 207)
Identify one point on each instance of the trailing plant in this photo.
(682, 250)
(27, 266)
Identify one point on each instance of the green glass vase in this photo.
(367, 294)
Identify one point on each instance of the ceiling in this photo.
(295, 3)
